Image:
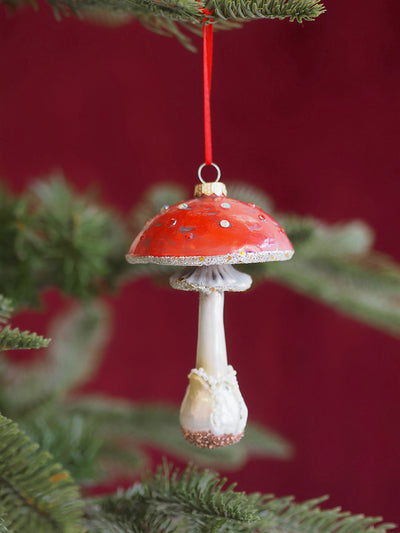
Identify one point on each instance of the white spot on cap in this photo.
(225, 205)
(183, 206)
(224, 223)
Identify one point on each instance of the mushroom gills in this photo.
(211, 278)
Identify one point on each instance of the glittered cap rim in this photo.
(234, 258)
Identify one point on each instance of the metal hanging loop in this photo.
(213, 165)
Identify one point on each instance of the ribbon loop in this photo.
(207, 69)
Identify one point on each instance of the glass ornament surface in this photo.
(207, 235)
(210, 230)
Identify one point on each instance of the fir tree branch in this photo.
(36, 494)
(90, 453)
(14, 339)
(348, 286)
(284, 515)
(6, 309)
(158, 425)
(195, 501)
(79, 337)
(71, 440)
(100, 438)
(161, 15)
(3, 526)
(4, 522)
(334, 264)
(52, 237)
(191, 10)
(298, 10)
(122, 460)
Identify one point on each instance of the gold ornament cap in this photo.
(208, 189)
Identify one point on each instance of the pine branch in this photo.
(3, 526)
(4, 522)
(14, 339)
(36, 494)
(97, 439)
(195, 501)
(191, 10)
(161, 15)
(79, 337)
(121, 460)
(56, 238)
(6, 309)
(90, 453)
(284, 515)
(71, 440)
(80, 243)
(334, 264)
(158, 425)
(298, 10)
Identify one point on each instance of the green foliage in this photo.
(79, 338)
(158, 425)
(337, 266)
(271, 9)
(14, 339)
(4, 522)
(154, 199)
(161, 15)
(6, 309)
(52, 237)
(36, 494)
(71, 440)
(100, 438)
(18, 266)
(97, 438)
(89, 452)
(334, 264)
(196, 501)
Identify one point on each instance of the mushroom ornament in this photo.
(206, 236)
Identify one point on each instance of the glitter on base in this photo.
(207, 439)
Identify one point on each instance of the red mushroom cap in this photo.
(210, 230)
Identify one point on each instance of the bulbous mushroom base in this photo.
(206, 439)
(213, 412)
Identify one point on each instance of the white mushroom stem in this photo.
(211, 345)
(213, 412)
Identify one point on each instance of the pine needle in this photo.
(161, 16)
(158, 425)
(6, 309)
(79, 337)
(197, 501)
(36, 494)
(14, 339)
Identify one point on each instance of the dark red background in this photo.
(308, 112)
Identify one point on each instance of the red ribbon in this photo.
(207, 68)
